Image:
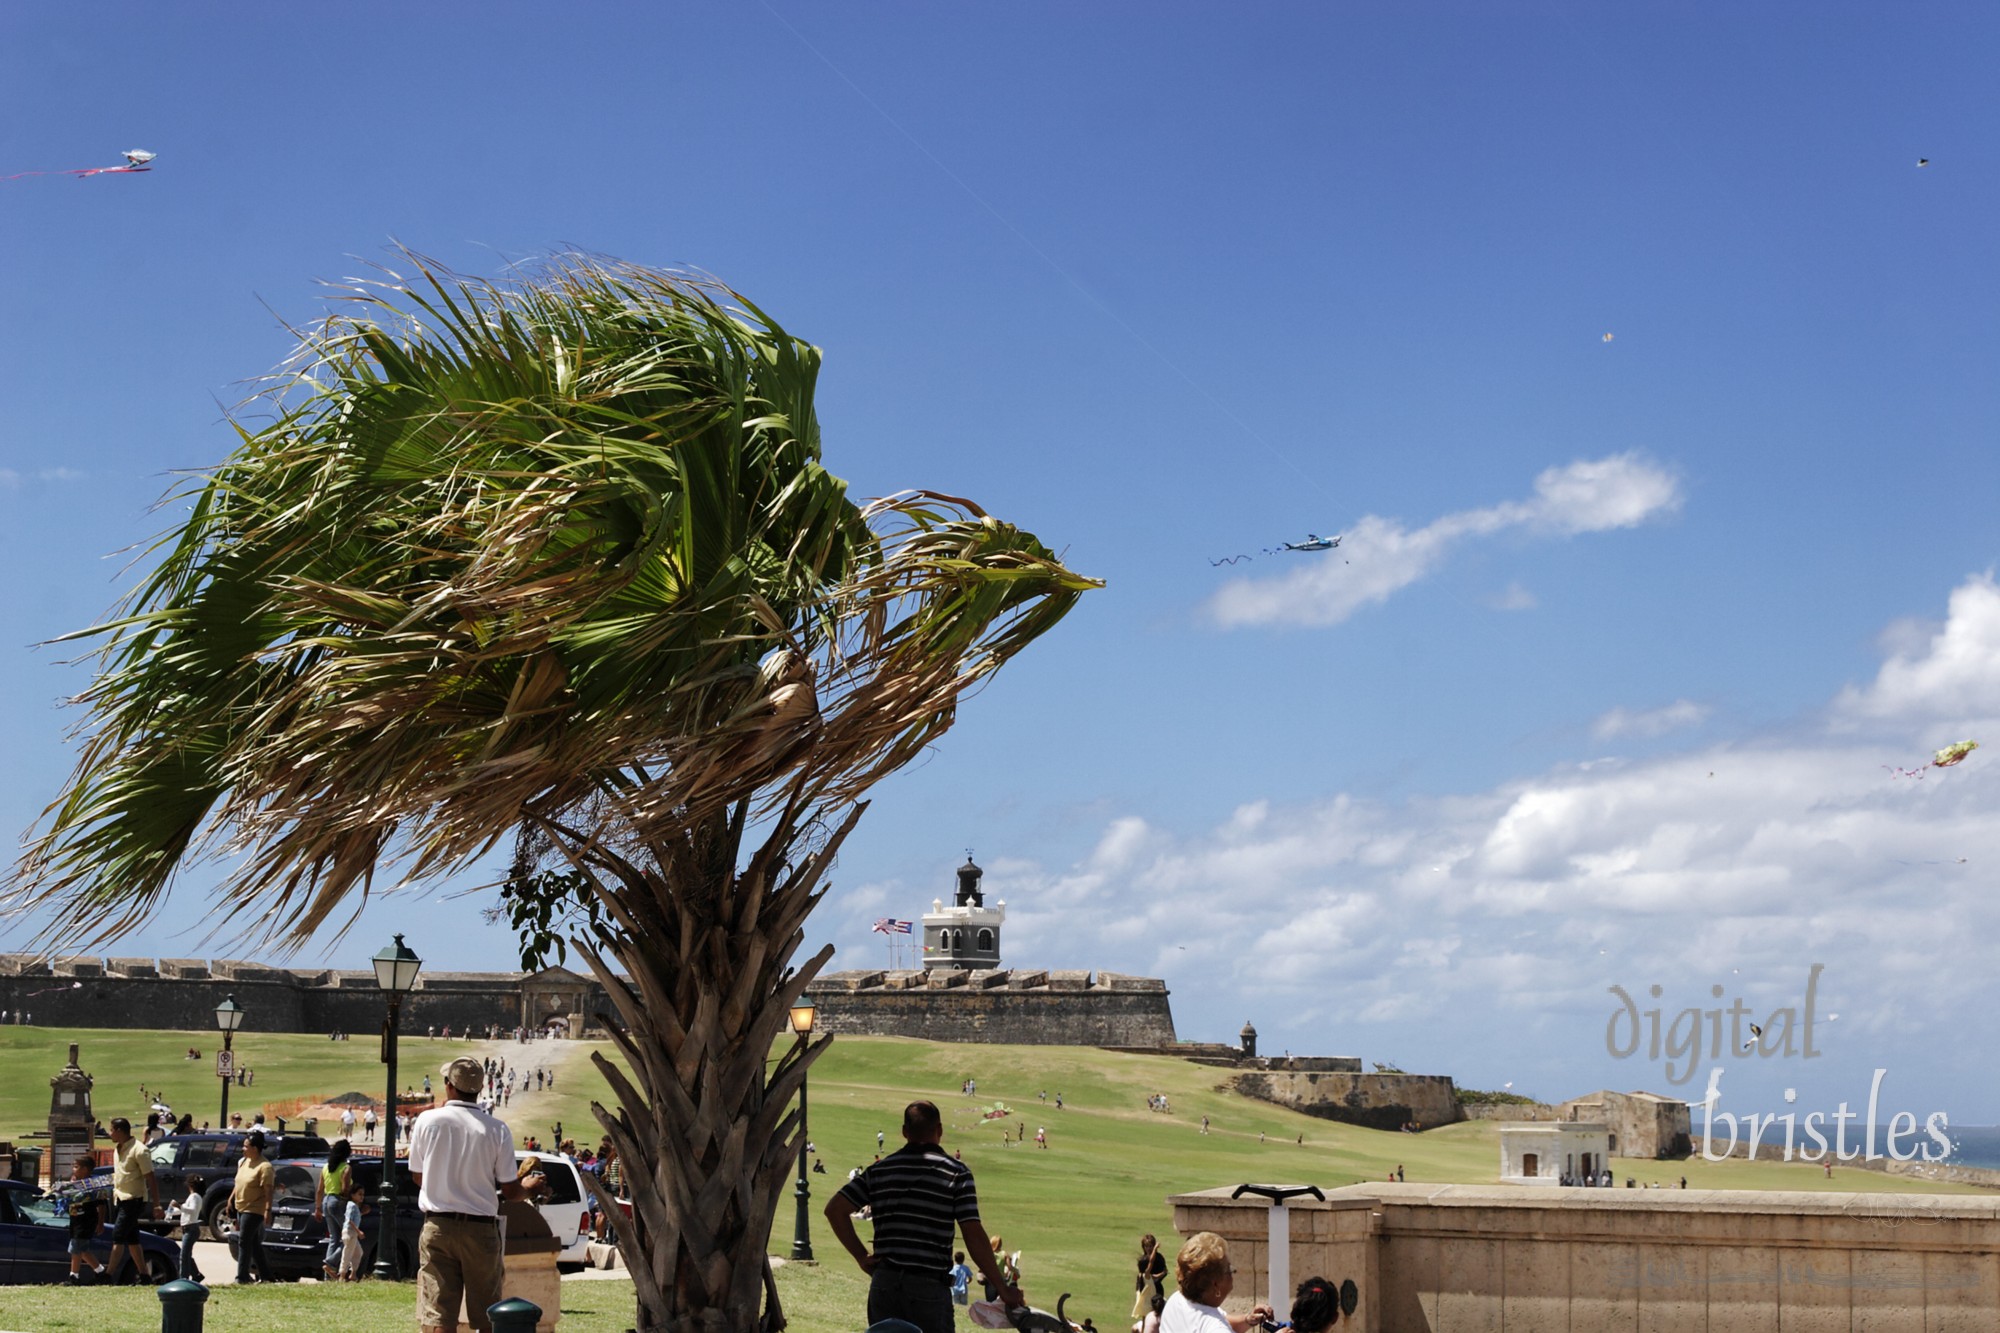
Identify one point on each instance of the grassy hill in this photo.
(1075, 1209)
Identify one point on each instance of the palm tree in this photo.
(554, 559)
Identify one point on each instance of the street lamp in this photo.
(802, 1024)
(228, 1017)
(396, 973)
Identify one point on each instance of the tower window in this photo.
(986, 941)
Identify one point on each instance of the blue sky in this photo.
(1166, 283)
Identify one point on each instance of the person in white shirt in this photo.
(347, 1123)
(189, 1216)
(368, 1122)
(462, 1160)
(1206, 1280)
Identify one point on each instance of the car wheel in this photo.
(212, 1214)
(159, 1268)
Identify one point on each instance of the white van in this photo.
(566, 1208)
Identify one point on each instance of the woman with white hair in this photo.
(1206, 1280)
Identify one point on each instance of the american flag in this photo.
(888, 925)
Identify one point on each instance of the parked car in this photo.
(565, 1207)
(214, 1156)
(295, 1237)
(34, 1240)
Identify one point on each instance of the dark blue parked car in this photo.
(34, 1240)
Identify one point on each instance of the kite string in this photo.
(1046, 258)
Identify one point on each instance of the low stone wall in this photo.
(1377, 1101)
(1511, 1111)
(1458, 1258)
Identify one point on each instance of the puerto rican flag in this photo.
(888, 925)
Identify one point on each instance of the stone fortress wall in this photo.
(1017, 1007)
(180, 994)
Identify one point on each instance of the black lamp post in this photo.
(228, 1017)
(396, 973)
(802, 1246)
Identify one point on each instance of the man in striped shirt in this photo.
(919, 1195)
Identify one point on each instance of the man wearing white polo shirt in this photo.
(463, 1162)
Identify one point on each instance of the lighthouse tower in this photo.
(965, 935)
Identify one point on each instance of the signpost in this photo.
(225, 1065)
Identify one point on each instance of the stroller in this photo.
(991, 1314)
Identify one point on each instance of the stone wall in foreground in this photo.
(1460, 1258)
(998, 1006)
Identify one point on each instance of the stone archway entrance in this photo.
(554, 993)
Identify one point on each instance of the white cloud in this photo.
(1649, 722)
(1378, 556)
(1441, 929)
(11, 478)
(1946, 679)
(1513, 597)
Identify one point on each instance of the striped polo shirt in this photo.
(920, 1194)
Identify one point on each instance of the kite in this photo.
(1313, 542)
(136, 159)
(1755, 1033)
(1607, 337)
(74, 985)
(1923, 161)
(1950, 756)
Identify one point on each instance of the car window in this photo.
(41, 1210)
(163, 1153)
(206, 1153)
(7, 1206)
(563, 1184)
(295, 1182)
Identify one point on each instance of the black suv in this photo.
(214, 1156)
(295, 1239)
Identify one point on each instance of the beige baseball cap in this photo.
(465, 1075)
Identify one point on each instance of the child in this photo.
(961, 1279)
(190, 1220)
(86, 1219)
(350, 1234)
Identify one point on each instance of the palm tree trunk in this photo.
(705, 1127)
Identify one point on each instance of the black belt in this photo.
(487, 1219)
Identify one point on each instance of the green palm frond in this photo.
(497, 551)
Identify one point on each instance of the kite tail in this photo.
(1227, 560)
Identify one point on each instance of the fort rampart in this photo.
(180, 994)
(1377, 1101)
(1018, 1007)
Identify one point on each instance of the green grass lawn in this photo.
(1074, 1210)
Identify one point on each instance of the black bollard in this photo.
(514, 1315)
(180, 1306)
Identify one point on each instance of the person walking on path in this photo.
(918, 1196)
(350, 1231)
(1150, 1287)
(250, 1200)
(330, 1202)
(462, 1160)
(368, 1123)
(86, 1219)
(190, 1220)
(135, 1197)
